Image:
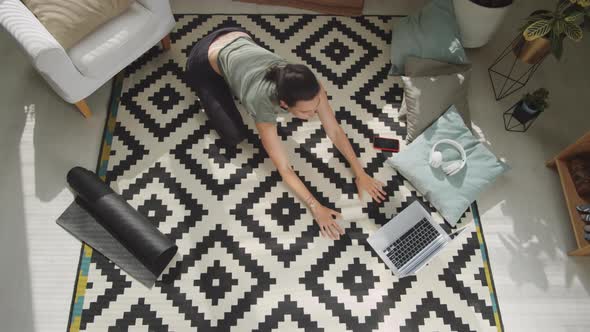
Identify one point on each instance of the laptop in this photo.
(409, 240)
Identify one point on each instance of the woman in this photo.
(228, 60)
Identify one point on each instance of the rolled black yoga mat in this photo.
(127, 226)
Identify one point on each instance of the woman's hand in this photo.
(326, 219)
(370, 185)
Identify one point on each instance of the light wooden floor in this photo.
(525, 223)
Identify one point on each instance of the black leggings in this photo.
(213, 92)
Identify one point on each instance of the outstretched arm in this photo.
(363, 181)
(325, 217)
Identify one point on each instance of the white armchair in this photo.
(76, 73)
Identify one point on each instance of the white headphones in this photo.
(453, 167)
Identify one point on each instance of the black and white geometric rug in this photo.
(250, 256)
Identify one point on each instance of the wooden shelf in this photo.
(572, 198)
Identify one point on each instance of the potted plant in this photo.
(479, 19)
(544, 31)
(531, 105)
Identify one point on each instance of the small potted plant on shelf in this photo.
(479, 19)
(531, 105)
(544, 31)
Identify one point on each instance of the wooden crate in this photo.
(572, 199)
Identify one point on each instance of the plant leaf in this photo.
(563, 5)
(536, 17)
(586, 23)
(559, 27)
(537, 30)
(556, 45)
(575, 16)
(573, 31)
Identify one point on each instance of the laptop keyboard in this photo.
(411, 243)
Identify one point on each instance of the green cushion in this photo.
(432, 33)
(450, 195)
(428, 97)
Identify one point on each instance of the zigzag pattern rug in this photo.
(250, 255)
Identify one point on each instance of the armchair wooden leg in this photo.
(83, 108)
(166, 42)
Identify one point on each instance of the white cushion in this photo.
(105, 48)
(70, 20)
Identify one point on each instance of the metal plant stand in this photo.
(518, 123)
(519, 73)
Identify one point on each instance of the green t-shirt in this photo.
(243, 64)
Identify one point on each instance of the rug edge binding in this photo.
(79, 291)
